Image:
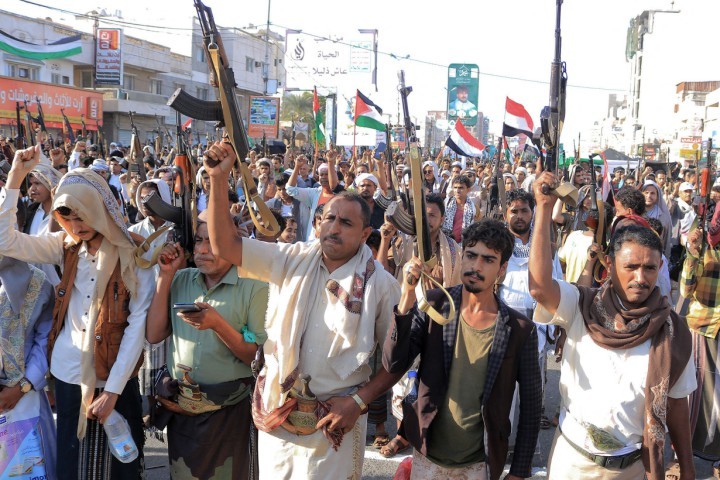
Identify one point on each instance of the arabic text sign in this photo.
(73, 101)
(264, 117)
(335, 61)
(108, 57)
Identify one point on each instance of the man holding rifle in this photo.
(620, 338)
(330, 302)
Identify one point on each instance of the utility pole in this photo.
(266, 63)
(96, 24)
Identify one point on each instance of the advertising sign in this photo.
(74, 102)
(348, 134)
(108, 56)
(264, 117)
(462, 93)
(337, 60)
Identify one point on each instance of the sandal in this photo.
(545, 423)
(394, 447)
(673, 472)
(380, 441)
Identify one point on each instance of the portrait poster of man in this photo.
(463, 93)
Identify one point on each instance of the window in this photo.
(249, 64)
(201, 93)
(54, 78)
(200, 53)
(65, 80)
(86, 79)
(156, 87)
(178, 85)
(23, 71)
(129, 82)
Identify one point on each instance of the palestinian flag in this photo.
(65, 47)
(319, 120)
(461, 142)
(367, 114)
(517, 120)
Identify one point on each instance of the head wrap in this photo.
(511, 176)
(433, 165)
(162, 187)
(660, 210)
(88, 196)
(686, 186)
(100, 164)
(46, 175)
(367, 176)
(521, 170)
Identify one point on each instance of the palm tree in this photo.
(299, 106)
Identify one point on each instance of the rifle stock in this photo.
(135, 152)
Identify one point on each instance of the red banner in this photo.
(74, 101)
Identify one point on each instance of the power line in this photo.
(408, 58)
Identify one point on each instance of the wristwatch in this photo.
(359, 401)
(25, 385)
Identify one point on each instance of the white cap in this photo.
(686, 186)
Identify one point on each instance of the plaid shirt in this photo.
(412, 334)
(701, 283)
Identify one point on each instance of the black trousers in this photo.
(69, 461)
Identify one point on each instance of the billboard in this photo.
(74, 102)
(349, 59)
(348, 134)
(462, 91)
(108, 56)
(264, 117)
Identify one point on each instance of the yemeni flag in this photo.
(187, 124)
(65, 47)
(319, 120)
(461, 142)
(367, 114)
(517, 120)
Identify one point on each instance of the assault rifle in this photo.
(596, 221)
(182, 212)
(40, 119)
(69, 134)
(20, 139)
(84, 129)
(497, 197)
(424, 249)
(385, 201)
(225, 112)
(29, 130)
(552, 117)
(101, 139)
(135, 155)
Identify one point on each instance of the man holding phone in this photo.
(216, 329)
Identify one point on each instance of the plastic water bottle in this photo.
(122, 445)
(412, 379)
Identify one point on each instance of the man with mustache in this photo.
(208, 439)
(459, 424)
(513, 289)
(626, 369)
(329, 303)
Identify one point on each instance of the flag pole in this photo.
(354, 134)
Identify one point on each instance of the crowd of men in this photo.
(267, 355)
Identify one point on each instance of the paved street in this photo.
(378, 468)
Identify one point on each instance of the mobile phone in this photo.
(186, 307)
